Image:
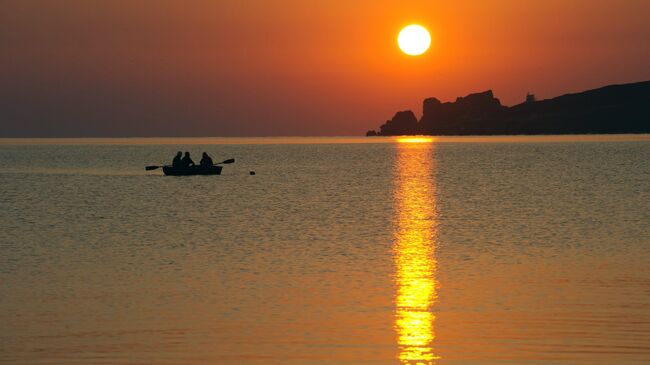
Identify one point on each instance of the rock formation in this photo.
(611, 109)
(403, 122)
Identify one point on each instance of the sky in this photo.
(123, 68)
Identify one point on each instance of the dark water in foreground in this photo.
(460, 251)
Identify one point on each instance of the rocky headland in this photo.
(607, 110)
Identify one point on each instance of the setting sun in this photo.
(414, 40)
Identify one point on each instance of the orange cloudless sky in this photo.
(289, 67)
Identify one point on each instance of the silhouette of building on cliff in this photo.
(530, 98)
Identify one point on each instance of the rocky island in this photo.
(607, 110)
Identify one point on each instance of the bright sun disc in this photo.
(414, 40)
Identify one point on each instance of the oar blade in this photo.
(149, 168)
(232, 160)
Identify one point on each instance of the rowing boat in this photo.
(192, 170)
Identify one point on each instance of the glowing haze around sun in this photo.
(414, 40)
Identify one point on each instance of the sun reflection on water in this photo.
(414, 252)
(415, 139)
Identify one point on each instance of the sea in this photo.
(406, 250)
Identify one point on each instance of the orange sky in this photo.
(289, 67)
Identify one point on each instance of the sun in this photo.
(414, 40)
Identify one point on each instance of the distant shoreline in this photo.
(627, 137)
(613, 109)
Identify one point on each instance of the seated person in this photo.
(178, 160)
(187, 160)
(206, 161)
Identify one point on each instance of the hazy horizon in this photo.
(74, 68)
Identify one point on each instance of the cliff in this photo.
(611, 109)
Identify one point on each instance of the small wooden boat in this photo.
(192, 170)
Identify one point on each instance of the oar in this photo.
(228, 161)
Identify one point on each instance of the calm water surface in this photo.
(490, 250)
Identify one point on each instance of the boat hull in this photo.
(192, 170)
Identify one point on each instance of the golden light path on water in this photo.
(414, 251)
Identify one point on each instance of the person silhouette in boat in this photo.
(187, 160)
(178, 160)
(206, 160)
